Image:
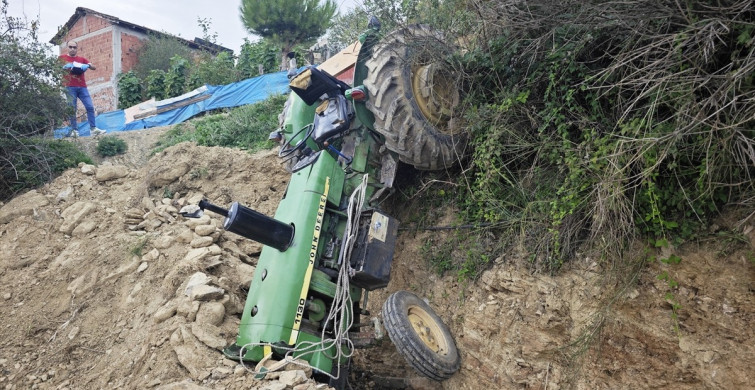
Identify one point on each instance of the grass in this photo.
(247, 127)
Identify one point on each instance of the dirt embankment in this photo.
(95, 267)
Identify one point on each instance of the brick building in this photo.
(112, 45)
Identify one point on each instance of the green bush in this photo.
(591, 131)
(246, 127)
(32, 102)
(155, 84)
(129, 90)
(34, 161)
(175, 79)
(158, 53)
(111, 146)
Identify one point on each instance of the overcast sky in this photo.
(178, 17)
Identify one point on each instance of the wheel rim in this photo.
(428, 330)
(435, 95)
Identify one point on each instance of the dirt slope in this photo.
(94, 270)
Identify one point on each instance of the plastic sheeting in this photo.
(244, 92)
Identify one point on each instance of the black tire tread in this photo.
(408, 343)
(397, 117)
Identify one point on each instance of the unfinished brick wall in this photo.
(130, 45)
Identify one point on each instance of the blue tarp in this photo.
(221, 96)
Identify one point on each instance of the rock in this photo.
(185, 385)
(198, 254)
(166, 174)
(292, 378)
(197, 279)
(188, 309)
(194, 198)
(39, 215)
(301, 365)
(7, 296)
(22, 205)
(201, 242)
(168, 310)
(88, 169)
(64, 195)
(185, 237)
(191, 353)
(211, 313)
(204, 230)
(74, 214)
(83, 283)
(125, 269)
(233, 305)
(245, 272)
(84, 228)
(221, 372)
(192, 223)
(206, 293)
(153, 254)
(73, 333)
(163, 242)
(273, 385)
(150, 224)
(209, 335)
(110, 172)
(142, 267)
(211, 262)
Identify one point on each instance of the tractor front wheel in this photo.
(420, 336)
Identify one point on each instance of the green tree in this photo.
(287, 22)
(32, 103)
(157, 52)
(252, 55)
(175, 79)
(215, 70)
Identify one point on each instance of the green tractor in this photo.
(329, 243)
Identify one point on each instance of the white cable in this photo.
(342, 303)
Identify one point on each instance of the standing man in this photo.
(77, 87)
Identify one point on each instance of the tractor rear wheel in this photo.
(412, 94)
(420, 336)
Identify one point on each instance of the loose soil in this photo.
(94, 269)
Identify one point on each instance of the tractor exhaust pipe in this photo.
(248, 223)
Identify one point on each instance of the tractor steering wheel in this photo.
(287, 150)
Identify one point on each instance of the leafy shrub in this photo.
(216, 70)
(111, 146)
(254, 54)
(35, 161)
(32, 102)
(589, 130)
(155, 84)
(246, 127)
(175, 79)
(157, 54)
(129, 90)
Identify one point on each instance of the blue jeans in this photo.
(83, 94)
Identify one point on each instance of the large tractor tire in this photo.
(412, 95)
(420, 336)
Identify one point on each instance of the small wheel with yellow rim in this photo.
(420, 336)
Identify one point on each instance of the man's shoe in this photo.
(96, 131)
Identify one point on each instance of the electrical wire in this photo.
(341, 309)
